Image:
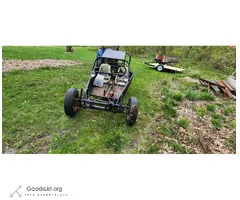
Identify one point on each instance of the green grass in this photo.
(33, 117)
(152, 149)
(177, 96)
(191, 95)
(179, 148)
(166, 130)
(169, 110)
(230, 142)
(201, 96)
(228, 111)
(202, 111)
(211, 107)
(50, 52)
(217, 120)
(33, 120)
(184, 123)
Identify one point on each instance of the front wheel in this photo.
(132, 111)
(160, 68)
(71, 102)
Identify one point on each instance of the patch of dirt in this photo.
(192, 80)
(9, 151)
(200, 137)
(208, 139)
(9, 65)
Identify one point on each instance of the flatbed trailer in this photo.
(161, 67)
(165, 63)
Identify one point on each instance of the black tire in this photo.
(160, 68)
(70, 102)
(132, 111)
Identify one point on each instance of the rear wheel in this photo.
(160, 68)
(132, 111)
(71, 102)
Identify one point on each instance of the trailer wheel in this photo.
(71, 102)
(132, 111)
(160, 68)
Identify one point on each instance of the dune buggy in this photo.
(108, 83)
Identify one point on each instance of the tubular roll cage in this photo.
(105, 103)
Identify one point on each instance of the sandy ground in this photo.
(9, 65)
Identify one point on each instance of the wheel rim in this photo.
(160, 68)
(75, 108)
(74, 105)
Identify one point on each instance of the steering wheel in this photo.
(122, 70)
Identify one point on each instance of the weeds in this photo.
(166, 130)
(152, 149)
(216, 116)
(177, 147)
(177, 96)
(202, 111)
(211, 108)
(228, 111)
(203, 96)
(230, 142)
(169, 111)
(191, 95)
(216, 120)
(184, 123)
(165, 91)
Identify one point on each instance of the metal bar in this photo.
(225, 89)
(227, 85)
(115, 108)
(119, 74)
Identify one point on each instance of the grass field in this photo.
(33, 119)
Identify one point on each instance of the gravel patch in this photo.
(9, 65)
